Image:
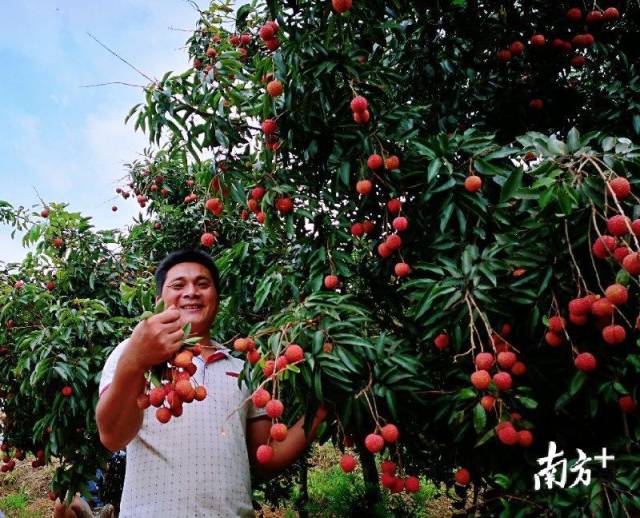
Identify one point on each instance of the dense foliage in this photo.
(488, 264)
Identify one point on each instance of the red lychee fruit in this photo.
(536, 104)
(487, 402)
(294, 353)
(635, 227)
(480, 379)
(553, 339)
(484, 361)
(384, 250)
(261, 217)
(278, 431)
(387, 480)
(375, 162)
(538, 40)
(253, 357)
(388, 466)
(614, 334)
(361, 117)
(207, 239)
(473, 183)
(341, 6)
(156, 396)
(618, 225)
(143, 401)
(519, 369)
(269, 126)
(359, 104)
(585, 362)
(619, 187)
(557, 324)
(502, 380)
(260, 398)
(66, 391)
(578, 61)
(507, 359)
(266, 32)
(392, 162)
(348, 462)
(284, 205)
(274, 408)
(507, 434)
(331, 282)
(357, 229)
(390, 433)
(163, 414)
(268, 368)
(525, 438)
(602, 308)
(211, 53)
(401, 269)
(398, 485)
(275, 88)
(579, 306)
(504, 55)
(441, 341)
(574, 14)
(44, 213)
(264, 454)
(400, 223)
(374, 442)
(394, 205)
(368, 226)
(631, 263)
(594, 17)
(393, 241)
(462, 477)
(604, 246)
(363, 187)
(200, 393)
(58, 242)
(184, 389)
(627, 404)
(611, 13)
(240, 345)
(516, 48)
(617, 294)
(412, 484)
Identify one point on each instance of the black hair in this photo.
(186, 255)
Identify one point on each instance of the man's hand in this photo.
(154, 340)
(78, 509)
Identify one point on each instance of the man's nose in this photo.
(191, 290)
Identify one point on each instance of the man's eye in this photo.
(177, 286)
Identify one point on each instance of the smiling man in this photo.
(198, 464)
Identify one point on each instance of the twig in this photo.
(120, 58)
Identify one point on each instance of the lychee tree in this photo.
(395, 246)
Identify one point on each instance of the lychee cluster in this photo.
(393, 241)
(262, 398)
(360, 108)
(268, 34)
(169, 397)
(395, 484)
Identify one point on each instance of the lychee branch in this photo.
(580, 278)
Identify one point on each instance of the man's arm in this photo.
(152, 342)
(285, 452)
(117, 414)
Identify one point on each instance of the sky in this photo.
(59, 140)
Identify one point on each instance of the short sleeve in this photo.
(109, 369)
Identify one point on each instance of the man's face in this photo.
(189, 287)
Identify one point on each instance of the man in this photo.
(197, 464)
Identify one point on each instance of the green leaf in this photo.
(512, 185)
(479, 418)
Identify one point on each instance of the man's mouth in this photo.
(192, 308)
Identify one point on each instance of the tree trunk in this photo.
(370, 475)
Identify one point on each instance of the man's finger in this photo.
(175, 337)
(168, 315)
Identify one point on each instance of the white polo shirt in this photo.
(197, 464)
